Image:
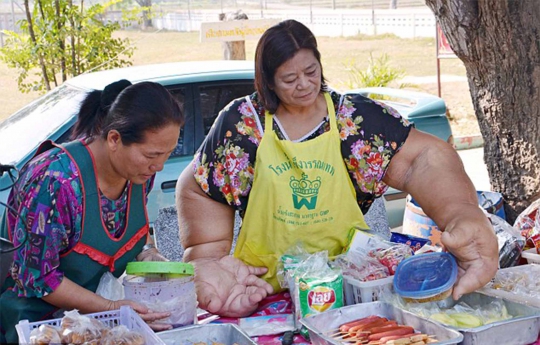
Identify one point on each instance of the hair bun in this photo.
(111, 91)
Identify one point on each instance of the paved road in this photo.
(473, 160)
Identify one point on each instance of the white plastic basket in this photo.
(531, 256)
(363, 292)
(124, 316)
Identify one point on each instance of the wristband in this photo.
(148, 246)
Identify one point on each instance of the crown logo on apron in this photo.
(305, 192)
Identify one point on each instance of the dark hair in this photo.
(276, 46)
(131, 109)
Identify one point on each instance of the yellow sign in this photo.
(236, 30)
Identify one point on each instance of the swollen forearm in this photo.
(69, 296)
(439, 183)
(206, 226)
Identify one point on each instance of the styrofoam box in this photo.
(356, 291)
(123, 316)
(531, 256)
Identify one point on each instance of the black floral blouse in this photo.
(371, 134)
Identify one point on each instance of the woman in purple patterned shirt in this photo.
(82, 206)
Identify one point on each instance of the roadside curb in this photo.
(468, 142)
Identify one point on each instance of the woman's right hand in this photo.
(148, 316)
(229, 287)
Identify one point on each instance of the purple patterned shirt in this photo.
(48, 196)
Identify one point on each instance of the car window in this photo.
(22, 132)
(216, 97)
(180, 94)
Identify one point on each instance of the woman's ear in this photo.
(114, 139)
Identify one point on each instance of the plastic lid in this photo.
(165, 267)
(425, 275)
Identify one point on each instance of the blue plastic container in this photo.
(426, 277)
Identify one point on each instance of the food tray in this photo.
(356, 291)
(219, 333)
(320, 325)
(519, 330)
(124, 316)
(530, 271)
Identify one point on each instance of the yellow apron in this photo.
(301, 193)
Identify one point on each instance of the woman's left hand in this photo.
(151, 254)
(470, 237)
(148, 316)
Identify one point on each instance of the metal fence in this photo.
(324, 17)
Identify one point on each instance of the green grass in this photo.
(415, 56)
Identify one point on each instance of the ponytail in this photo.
(94, 108)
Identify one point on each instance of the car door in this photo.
(201, 104)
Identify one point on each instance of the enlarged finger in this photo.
(253, 280)
(256, 270)
(208, 298)
(158, 327)
(477, 274)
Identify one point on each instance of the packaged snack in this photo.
(412, 241)
(45, 334)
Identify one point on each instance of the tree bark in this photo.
(499, 44)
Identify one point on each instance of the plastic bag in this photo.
(45, 334)
(121, 335)
(528, 224)
(110, 287)
(510, 241)
(360, 266)
(79, 329)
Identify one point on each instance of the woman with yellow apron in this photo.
(303, 194)
(302, 164)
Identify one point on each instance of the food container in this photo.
(531, 256)
(520, 330)
(321, 326)
(518, 284)
(223, 333)
(163, 286)
(426, 277)
(123, 316)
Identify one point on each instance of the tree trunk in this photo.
(499, 43)
(34, 41)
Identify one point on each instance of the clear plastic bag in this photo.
(510, 240)
(110, 287)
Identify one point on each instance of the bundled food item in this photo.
(81, 329)
(314, 286)
(392, 256)
(121, 335)
(78, 329)
(45, 334)
(361, 267)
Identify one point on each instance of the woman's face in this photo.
(298, 81)
(139, 161)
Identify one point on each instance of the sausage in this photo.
(346, 326)
(402, 330)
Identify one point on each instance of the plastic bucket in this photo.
(417, 223)
(162, 291)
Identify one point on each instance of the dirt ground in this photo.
(414, 56)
